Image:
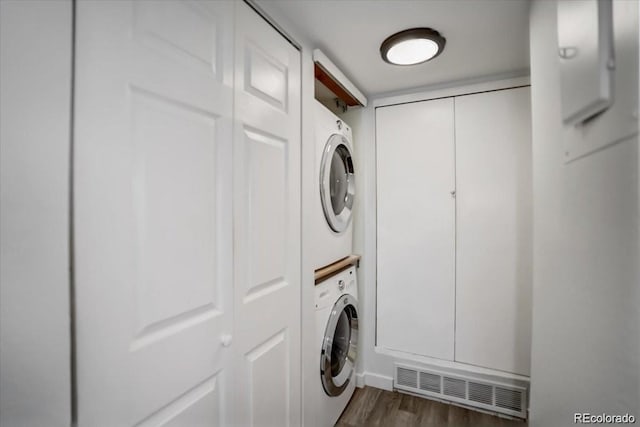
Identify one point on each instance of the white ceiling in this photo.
(484, 37)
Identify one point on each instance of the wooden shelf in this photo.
(325, 272)
(323, 76)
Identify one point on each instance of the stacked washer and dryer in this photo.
(336, 296)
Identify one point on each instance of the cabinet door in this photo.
(152, 212)
(266, 163)
(493, 174)
(415, 221)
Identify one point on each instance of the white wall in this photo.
(35, 83)
(586, 320)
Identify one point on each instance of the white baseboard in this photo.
(360, 380)
(374, 380)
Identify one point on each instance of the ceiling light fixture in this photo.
(413, 46)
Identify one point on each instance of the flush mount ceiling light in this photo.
(413, 46)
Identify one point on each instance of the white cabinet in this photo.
(493, 230)
(454, 274)
(187, 213)
(415, 167)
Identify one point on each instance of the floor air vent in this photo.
(460, 388)
(481, 393)
(407, 377)
(430, 382)
(455, 387)
(509, 399)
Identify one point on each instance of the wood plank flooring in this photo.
(374, 407)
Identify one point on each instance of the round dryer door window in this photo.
(339, 347)
(337, 183)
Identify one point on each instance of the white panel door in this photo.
(267, 224)
(415, 174)
(493, 290)
(152, 202)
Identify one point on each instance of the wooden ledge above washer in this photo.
(325, 272)
(335, 81)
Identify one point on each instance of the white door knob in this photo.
(226, 340)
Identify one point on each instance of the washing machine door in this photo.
(340, 346)
(337, 183)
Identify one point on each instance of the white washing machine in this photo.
(336, 344)
(332, 230)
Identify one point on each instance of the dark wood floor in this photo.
(374, 407)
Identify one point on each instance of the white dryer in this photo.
(332, 230)
(336, 345)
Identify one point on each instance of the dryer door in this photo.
(340, 346)
(337, 183)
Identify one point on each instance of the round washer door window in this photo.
(339, 346)
(337, 183)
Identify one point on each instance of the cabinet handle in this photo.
(568, 52)
(226, 340)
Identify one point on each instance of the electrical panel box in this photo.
(585, 49)
(598, 62)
